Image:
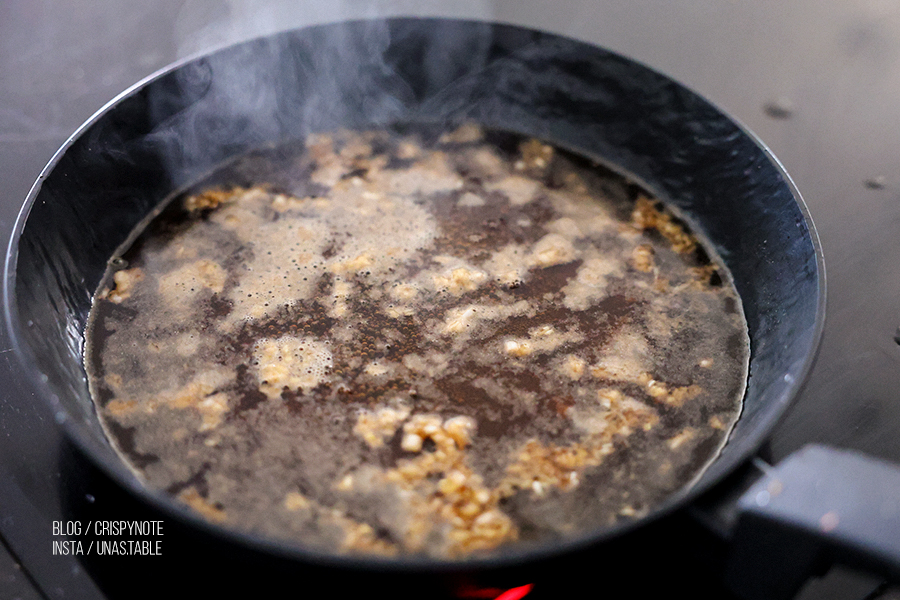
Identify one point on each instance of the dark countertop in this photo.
(817, 81)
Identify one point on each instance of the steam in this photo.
(203, 25)
(279, 87)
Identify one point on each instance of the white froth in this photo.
(589, 284)
(519, 190)
(365, 233)
(506, 264)
(459, 279)
(470, 200)
(625, 358)
(295, 363)
(552, 249)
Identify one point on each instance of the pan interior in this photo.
(417, 343)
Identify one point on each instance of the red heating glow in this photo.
(516, 593)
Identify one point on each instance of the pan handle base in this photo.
(820, 506)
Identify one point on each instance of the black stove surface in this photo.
(817, 81)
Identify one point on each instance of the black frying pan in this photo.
(174, 127)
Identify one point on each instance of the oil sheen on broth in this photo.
(412, 343)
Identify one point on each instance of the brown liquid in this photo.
(394, 344)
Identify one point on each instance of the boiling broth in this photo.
(417, 343)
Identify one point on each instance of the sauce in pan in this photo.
(405, 343)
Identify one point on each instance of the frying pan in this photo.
(177, 125)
